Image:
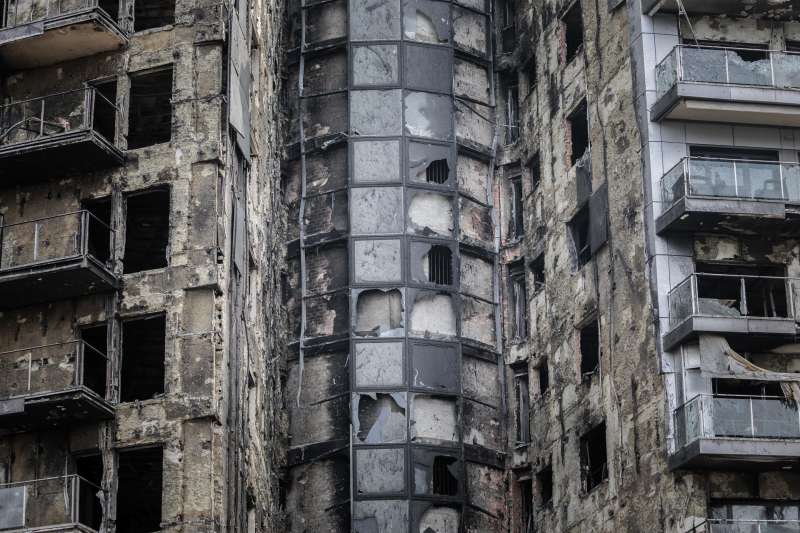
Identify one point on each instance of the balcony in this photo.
(67, 504)
(53, 385)
(64, 132)
(722, 525)
(55, 258)
(37, 33)
(736, 432)
(728, 195)
(780, 10)
(733, 85)
(748, 308)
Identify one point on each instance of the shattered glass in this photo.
(431, 214)
(422, 157)
(379, 418)
(787, 69)
(433, 518)
(432, 315)
(436, 473)
(749, 67)
(703, 64)
(379, 313)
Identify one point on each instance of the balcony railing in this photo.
(52, 368)
(731, 179)
(51, 504)
(732, 296)
(728, 66)
(721, 525)
(57, 115)
(54, 239)
(20, 12)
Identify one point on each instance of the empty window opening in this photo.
(444, 482)
(524, 503)
(150, 116)
(522, 407)
(744, 387)
(89, 469)
(530, 72)
(537, 273)
(440, 265)
(544, 377)
(437, 171)
(143, 346)
(153, 14)
(99, 226)
(545, 481)
(140, 489)
(379, 313)
(594, 462)
(579, 230)
(104, 112)
(573, 31)
(146, 231)
(518, 293)
(578, 127)
(511, 89)
(95, 353)
(742, 290)
(793, 46)
(508, 33)
(723, 152)
(590, 348)
(535, 170)
(111, 7)
(517, 208)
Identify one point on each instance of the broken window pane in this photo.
(594, 460)
(376, 161)
(374, 20)
(367, 202)
(140, 489)
(429, 163)
(428, 68)
(434, 366)
(426, 21)
(376, 65)
(377, 261)
(380, 516)
(429, 115)
(379, 364)
(379, 313)
(431, 263)
(379, 418)
(375, 113)
(434, 419)
(149, 14)
(325, 22)
(432, 314)
(380, 471)
(431, 214)
(436, 473)
(469, 31)
(433, 518)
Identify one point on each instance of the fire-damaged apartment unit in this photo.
(137, 266)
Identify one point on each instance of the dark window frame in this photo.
(518, 301)
(522, 404)
(594, 457)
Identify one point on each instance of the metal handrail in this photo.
(53, 345)
(702, 526)
(91, 215)
(50, 478)
(54, 95)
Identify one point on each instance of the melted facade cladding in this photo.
(396, 404)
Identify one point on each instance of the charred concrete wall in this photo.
(216, 414)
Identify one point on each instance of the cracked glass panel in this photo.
(787, 69)
(703, 64)
(379, 418)
(379, 364)
(434, 419)
(429, 115)
(380, 516)
(469, 31)
(432, 518)
(377, 261)
(380, 471)
(377, 113)
(376, 64)
(379, 313)
(434, 367)
(368, 201)
(376, 161)
(429, 68)
(430, 214)
(374, 20)
(436, 473)
(426, 21)
(432, 315)
(325, 22)
(429, 163)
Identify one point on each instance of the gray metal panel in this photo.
(12, 507)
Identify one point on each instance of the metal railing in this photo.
(55, 238)
(728, 416)
(49, 503)
(20, 12)
(57, 114)
(722, 525)
(52, 368)
(729, 66)
(734, 296)
(701, 177)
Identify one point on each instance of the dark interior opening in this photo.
(510, 83)
(140, 489)
(153, 14)
(744, 387)
(99, 237)
(522, 401)
(525, 490)
(594, 462)
(437, 171)
(104, 113)
(143, 345)
(90, 504)
(150, 115)
(517, 208)
(544, 376)
(590, 348)
(146, 231)
(722, 152)
(111, 7)
(579, 229)
(573, 31)
(535, 169)
(440, 265)
(444, 482)
(518, 289)
(742, 290)
(537, 270)
(578, 122)
(95, 353)
(530, 71)
(793, 46)
(545, 481)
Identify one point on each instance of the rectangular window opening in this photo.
(150, 14)
(104, 112)
(535, 171)
(99, 227)
(544, 377)
(544, 479)
(537, 272)
(143, 356)
(517, 208)
(146, 231)
(590, 348)
(140, 489)
(511, 92)
(573, 31)
(579, 230)
(95, 353)
(594, 461)
(530, 73)
(518, 300)
(522, 403)
(444, 482)
(111, 7)
(508, 32)
(150, 114)
(438, 171)
(440, 265)
(524, 503)
(578, 127)
(89, 469)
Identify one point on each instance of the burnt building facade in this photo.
(139, 261)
